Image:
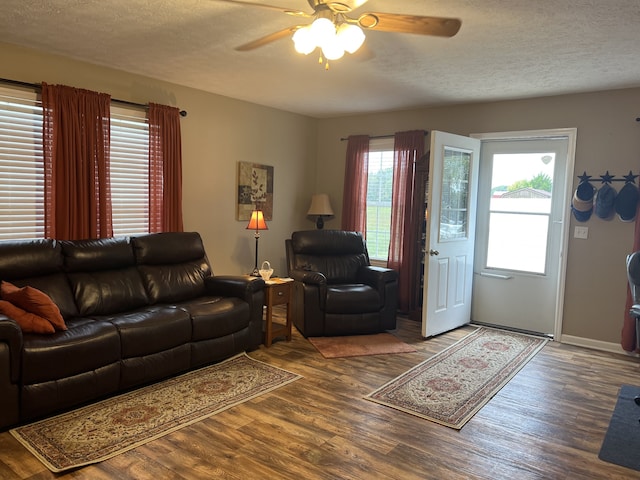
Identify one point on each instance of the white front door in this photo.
(522, 210)
(451, 222)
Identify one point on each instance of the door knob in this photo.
(434, 252)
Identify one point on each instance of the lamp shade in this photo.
(320, 205)
(256, 222)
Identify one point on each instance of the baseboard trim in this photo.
(595, 344)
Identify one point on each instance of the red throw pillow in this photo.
(29, 322)
(33, 301)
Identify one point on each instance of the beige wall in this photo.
(218, 133)
(308, 156)
(608, 139)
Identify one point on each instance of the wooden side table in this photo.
(277, 292)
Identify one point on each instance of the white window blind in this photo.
(129, 172)
(21, 166)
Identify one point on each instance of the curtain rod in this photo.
(342, 139)
(37, 87)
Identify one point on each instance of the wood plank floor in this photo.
(548, 422)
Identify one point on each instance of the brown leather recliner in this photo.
(336, 290)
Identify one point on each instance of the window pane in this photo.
(518, 242)
(520, 208)
(455, 193)
(21, 166)
(129, 172)
(379, 191)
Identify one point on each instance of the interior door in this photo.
(521, 210)
(451, 223)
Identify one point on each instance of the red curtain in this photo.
(165, 169)
(76, 140)
(628, 340)
(354, 197)
(408, 149)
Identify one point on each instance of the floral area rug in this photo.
(358, 345)
(105, 429)
(450, 387)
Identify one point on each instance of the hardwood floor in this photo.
(548, 422)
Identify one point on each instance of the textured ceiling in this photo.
(504, 50)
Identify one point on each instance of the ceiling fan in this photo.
(334, 32)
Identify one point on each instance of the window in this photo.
(129, 172)
(22, 171)
(21, 166)
(379, 193)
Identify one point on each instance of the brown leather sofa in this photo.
(137, 310)
(336, 290)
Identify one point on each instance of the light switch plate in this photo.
(581, 232)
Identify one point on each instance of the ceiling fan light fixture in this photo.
(323, 30)
(350, 36)
(303, 40)
(333, 50)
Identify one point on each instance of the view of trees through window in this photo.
(379, 191)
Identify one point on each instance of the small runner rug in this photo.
(358, 345)
(622, 442)
(450, 387)
(108, 428)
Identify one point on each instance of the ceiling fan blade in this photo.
(288, 11)
(272, 37)
(396, 22)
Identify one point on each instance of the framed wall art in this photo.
(255, 187)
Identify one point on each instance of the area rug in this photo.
(357, 345)
(108, 428)
(621, 443)
(450, 387)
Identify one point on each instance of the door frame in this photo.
(571, 135)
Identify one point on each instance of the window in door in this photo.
(520, 211)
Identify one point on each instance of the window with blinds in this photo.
(379, 193)
(129, 171)
(22, 168)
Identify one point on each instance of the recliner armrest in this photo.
(308, 277)
(11, 334)
(376, 276)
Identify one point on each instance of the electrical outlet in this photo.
(581, 232)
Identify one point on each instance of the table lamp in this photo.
(257, 223)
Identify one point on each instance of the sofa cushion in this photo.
(108, 292)
(34, 301)
(214, 317)
(56, 287)
(29, 322)
(174, 283)
(168, 248)
(28, 258)
(152, 330)
(173, 265)
(87, 345)
(96, 255)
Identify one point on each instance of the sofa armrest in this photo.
(248, 288)
(241, 286)
(11, 334)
